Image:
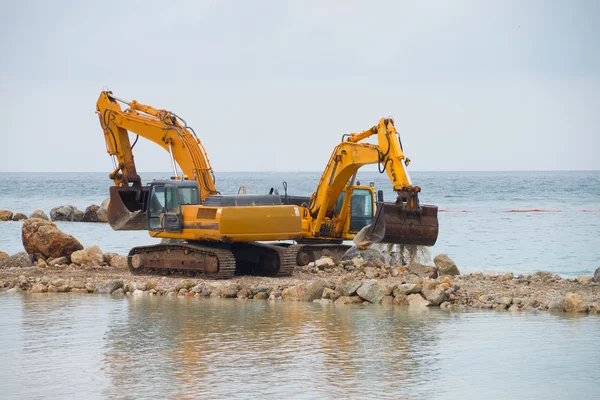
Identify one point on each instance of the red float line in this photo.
(590, 210)
(455, 211)
(530, 211)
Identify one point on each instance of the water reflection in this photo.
(163, 347)
(230, 348)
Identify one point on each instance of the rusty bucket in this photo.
(126, 209)
(397, 224)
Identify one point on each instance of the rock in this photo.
(63, 213)
(109, 287)
(368, 254)
(261, 296)
(422, 270)
(416, 300)
(19, 217)
(371, 272)
(136, 292)
(244, 293)
(514, 308)
(78, 215)
(102, 212)
(39, 214)
(330, 294)
(119, 292)
(348, 288)
(387, 300)
(585, 279)
(407, 288)
(38, 288)
(89, 286)
(293, 293)
(401, 299)
(52, 289)
(43, 237)
(325, 263)
(445, 265)
(63, 288)
(53, 262)
(91, 256)
(230, 291)
(364, 245)
(434, 295)
(119, 262)
(91, 214)
(185, 284)
(373, 291)
(597, 275)
(349, 300)
(314, 290)
(3, 255)
(573, 302)
(19, 260)
(56, 281)
(5, 215)
(41, 263)
(555, 305)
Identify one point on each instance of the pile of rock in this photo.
(93, 213)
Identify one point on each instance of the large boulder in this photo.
(314, 290)
(373, 291)
(293, 293)
(416, 300)
(91, 213)
(89, 256)
(369, 254)
(6, 215)
(3, 255)
(41, 237)
(422, 270)
(77, 215)
(119, 262)
(445, 265)
(435, 295)
(597, 275)
(63, 213)
(573, 302)
(102, 212)
(19, 260)
(19, 217)
(39, 214)
(348, 288)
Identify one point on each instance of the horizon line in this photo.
(311, 171)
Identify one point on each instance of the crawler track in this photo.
(215, 263)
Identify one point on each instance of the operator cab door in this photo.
(164, 209)
(361, 208)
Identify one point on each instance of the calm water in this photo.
(485, 238)
(160, 347)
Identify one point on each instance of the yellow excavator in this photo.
(223, 235)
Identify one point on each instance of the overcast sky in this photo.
(272, 85)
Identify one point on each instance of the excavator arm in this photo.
(159, 126)
(406, 220)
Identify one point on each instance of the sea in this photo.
(518, 222)
(69, 345)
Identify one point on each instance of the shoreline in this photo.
(542, 291)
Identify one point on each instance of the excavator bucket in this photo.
(394, 223)
(126, 209)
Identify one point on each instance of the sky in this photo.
(273, 85)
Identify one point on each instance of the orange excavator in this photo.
(223, 235)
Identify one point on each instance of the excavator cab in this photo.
(361, 207)
(165, 201)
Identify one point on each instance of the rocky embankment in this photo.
(56, 262)
(93, 213)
